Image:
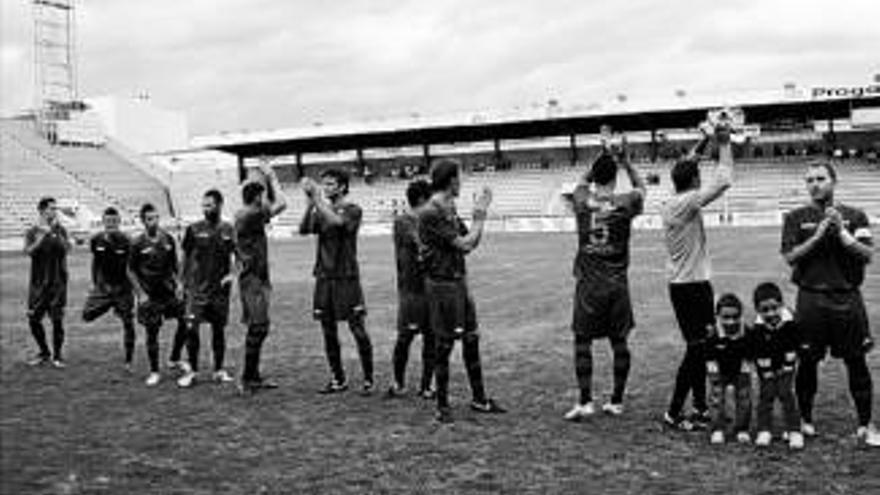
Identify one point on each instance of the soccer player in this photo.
(412, 306)
(338, 295)
(153, 269)
(828, 245)
(775, 339)
(602, 307)
(47, 244)
(253, 277)
(690, 288)
(208, 271)
(111, 286)
(452, 311)
(727, 365)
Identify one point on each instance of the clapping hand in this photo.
(483, 199)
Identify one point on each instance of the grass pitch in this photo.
(92, 428)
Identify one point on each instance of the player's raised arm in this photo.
(471, 240)
(635, 178)
(276, 199)
(722, 178)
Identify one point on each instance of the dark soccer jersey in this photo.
(829, 266)
(774, 348)
(408, 253)
(604, 226)
(730, 352)
(110, 255)
(207, 251)
(250, 235)
(154, 263)
(439, 226)
(48, 262)
(336, 257)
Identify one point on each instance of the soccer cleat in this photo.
(247, 387)
(187, 379)
(868, 435)
(808, 429)
(175, 365)
(679, 423)
(763, 439)
(743, 437)
(152, 379)
(612, 408)
(795, 440)
(37, 360)
(59, 363)
(428, 394)
(717, 437)
(487, 407)
(700, 419)
(580, 411)
(444, 415)
(333, 387)
(367, 388)
(265, 384)
(222, 376)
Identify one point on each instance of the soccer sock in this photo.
(128, 338)
(252, 345)
(57, 337)
(698, 377)
(583, 366)
(428, 357)
(218, 343)
(39, 336)
(622, 360)
(193, 343)
(365, 347)
(180, 338)
(401, 356)
(441, 371)
(806, 383)
(153, 347)
(331, 348)
(860, 387)
(470, 352)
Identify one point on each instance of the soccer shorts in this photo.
(338, 299)
(602, 310)
(99, 302)
(413, 314)
(154, 311)
(694, 306)
(51, 301)
(452, 312)
(832, 320)
(255, 297)
(214, 311)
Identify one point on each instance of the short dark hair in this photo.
(442, 173)
(214, 194)
(44, 203)
(604, 170)
(418, 192)
(147, 208)
(340, 176)
(728, 300)
(251, 191)
(684, 173)
(765, 291)
(111, 211)
(832, 172)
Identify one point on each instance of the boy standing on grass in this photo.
(727, 354)
(775, 343)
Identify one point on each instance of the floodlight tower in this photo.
(54, 58)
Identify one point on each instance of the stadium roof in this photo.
(622, 115)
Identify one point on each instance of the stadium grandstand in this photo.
(529, 160)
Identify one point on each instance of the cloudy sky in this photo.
(257, 64)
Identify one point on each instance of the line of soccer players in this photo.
(827, 244)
